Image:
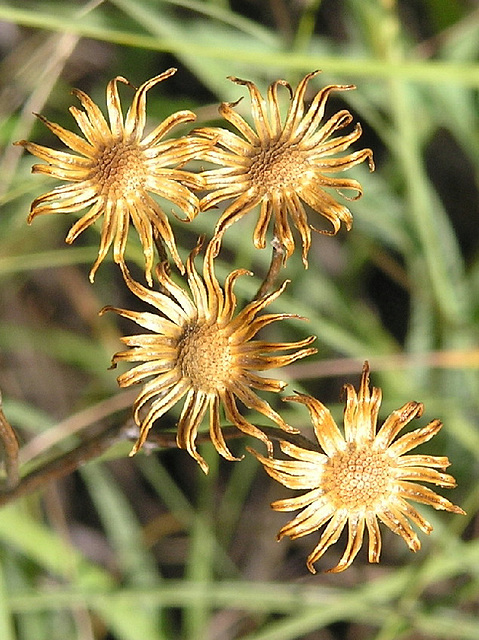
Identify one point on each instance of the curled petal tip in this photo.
(311, 568)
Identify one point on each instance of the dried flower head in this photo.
(280, 166)
(199, 349)
(114, 169)
(360, 478)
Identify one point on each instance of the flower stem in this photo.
(277, 259)
(10, 446)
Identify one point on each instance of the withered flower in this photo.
(360, 478)
(281, 165)
(199, 349)
(114, 169)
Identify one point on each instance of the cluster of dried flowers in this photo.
(199, 346)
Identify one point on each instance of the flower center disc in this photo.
(277, 167)
(120, 169)
(358, 477)
(205, 358)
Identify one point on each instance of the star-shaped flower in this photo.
(197, 347)
(114, 169)
(361, 477)
(280, 165)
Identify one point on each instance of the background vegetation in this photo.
(148, 548)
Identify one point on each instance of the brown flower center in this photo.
(120, 169)
(204, 356)
(277, 167)
(358, 477)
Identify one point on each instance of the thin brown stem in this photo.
(10, 448)
(277, 261)
(95, 446)
(162, 440)
(62, 465)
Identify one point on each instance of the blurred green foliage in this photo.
(149, 549)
